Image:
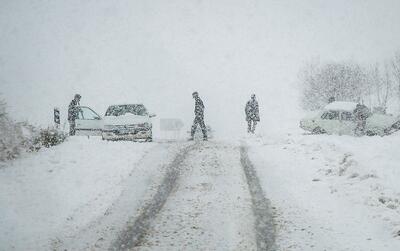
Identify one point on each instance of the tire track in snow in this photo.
(211, 207)
(134, 232)
(264, 222)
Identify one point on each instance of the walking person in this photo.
(198, 116)
(252, 114)
(73, 111)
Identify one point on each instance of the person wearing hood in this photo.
(361, 113)
(252, 114)
(198, 116)
(73, 112)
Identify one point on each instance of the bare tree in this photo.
(343, 81)
(387, 86)
(396, 72)
(379, 86)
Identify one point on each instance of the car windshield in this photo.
(118, 110)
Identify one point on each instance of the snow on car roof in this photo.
(342, 106)
(126, 104)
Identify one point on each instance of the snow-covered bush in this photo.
(50, 137)
(16, 138)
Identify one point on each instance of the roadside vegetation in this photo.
(19, 137)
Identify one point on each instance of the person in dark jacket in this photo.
(73, 112)
(252, 114)
(198, 116)
(361, 113)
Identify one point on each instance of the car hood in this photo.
(128, 119)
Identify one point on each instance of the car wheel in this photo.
(318, 130)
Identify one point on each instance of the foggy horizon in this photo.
(159, 53)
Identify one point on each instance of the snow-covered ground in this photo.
(331, 192)
(327, 193)
(211, 207)
(50, 197)
(87, 194)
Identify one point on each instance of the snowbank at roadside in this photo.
(67, 185)
(332, 192)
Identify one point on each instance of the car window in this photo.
(87, 113)
(347, 116)
(330, 115)
(118, 110)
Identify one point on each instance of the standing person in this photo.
(252, 114)
(361, 113)
(198, 116)
(73, 111)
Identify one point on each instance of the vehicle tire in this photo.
(318, 130)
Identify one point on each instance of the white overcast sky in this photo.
(159, 51)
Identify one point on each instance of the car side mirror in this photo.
(152, 115)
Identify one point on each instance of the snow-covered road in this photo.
(88, 194)
(210, 207)
(323, 193)
(78, 194)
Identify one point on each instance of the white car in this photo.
(121, 122)
(338, 118)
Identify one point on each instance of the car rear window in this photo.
(118, 110)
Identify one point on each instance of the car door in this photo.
(88, 122)
(330, 122)
(348, 124)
